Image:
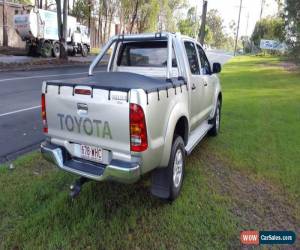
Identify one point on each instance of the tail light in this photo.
(138, 129)
(44, 116)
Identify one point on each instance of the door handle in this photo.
(205, 84)
(193, 86)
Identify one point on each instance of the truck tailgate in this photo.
(95, 120)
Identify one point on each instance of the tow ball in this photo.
(76, 187)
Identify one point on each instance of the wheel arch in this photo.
(178, 124)
(182, 129)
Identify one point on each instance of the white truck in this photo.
(38, 28)
(158, 99)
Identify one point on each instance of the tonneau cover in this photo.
(121, 81)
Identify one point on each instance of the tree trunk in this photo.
(5, 36)
(109, 26)
(100, 30)
(203, 22)
(90, 18)
(134, 15)
(64, 51)
(105, 27)
(62, 28)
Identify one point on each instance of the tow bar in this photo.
(76, 187)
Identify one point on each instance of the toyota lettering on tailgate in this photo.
(85, 125)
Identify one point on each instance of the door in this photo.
(196, 84)
(208, 82)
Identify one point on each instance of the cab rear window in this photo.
(145, 54)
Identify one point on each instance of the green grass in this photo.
(36, 212)
(260, 136)
(261, 120)
(95, 51)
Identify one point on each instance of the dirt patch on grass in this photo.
(288, 66)
(257, 204)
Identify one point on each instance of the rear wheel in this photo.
(167, 182)
(56, 50)
(84, 50)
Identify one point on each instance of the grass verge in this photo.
(260, 122)
(36, 212)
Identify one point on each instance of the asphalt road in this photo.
(20, 118)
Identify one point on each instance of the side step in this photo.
(197, 135)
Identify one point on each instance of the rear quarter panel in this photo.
(163, 110)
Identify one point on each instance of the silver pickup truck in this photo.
(158, 99)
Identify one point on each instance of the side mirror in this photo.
(217, 68)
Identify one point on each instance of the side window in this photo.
(192, 57)
(205, 66)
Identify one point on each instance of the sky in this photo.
(229, 10)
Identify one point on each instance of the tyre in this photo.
(167, 182)
(46, 50)
(30, 50)
(73, 52)
(84, 50)
(56, 50)
(216, 121)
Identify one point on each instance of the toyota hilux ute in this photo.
(157, 99)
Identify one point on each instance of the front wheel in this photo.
(46, 50)
(214, 131)
(167, 182)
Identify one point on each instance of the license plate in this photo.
(91, 153)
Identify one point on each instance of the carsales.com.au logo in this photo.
(267, 237)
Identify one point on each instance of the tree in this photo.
(62, 27)
(208, 36)
(214, 23)
(168, 10)
(81, 10)
(293, 27)
(271, 28)
(190, 25)
(233, 28)
(147, 16)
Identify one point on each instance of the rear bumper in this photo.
(126, 172)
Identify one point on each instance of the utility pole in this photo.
(238, 27)
(248, 16)
(5, 38)
(261, 8)
(203, 21)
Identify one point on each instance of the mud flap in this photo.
(160, 184)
